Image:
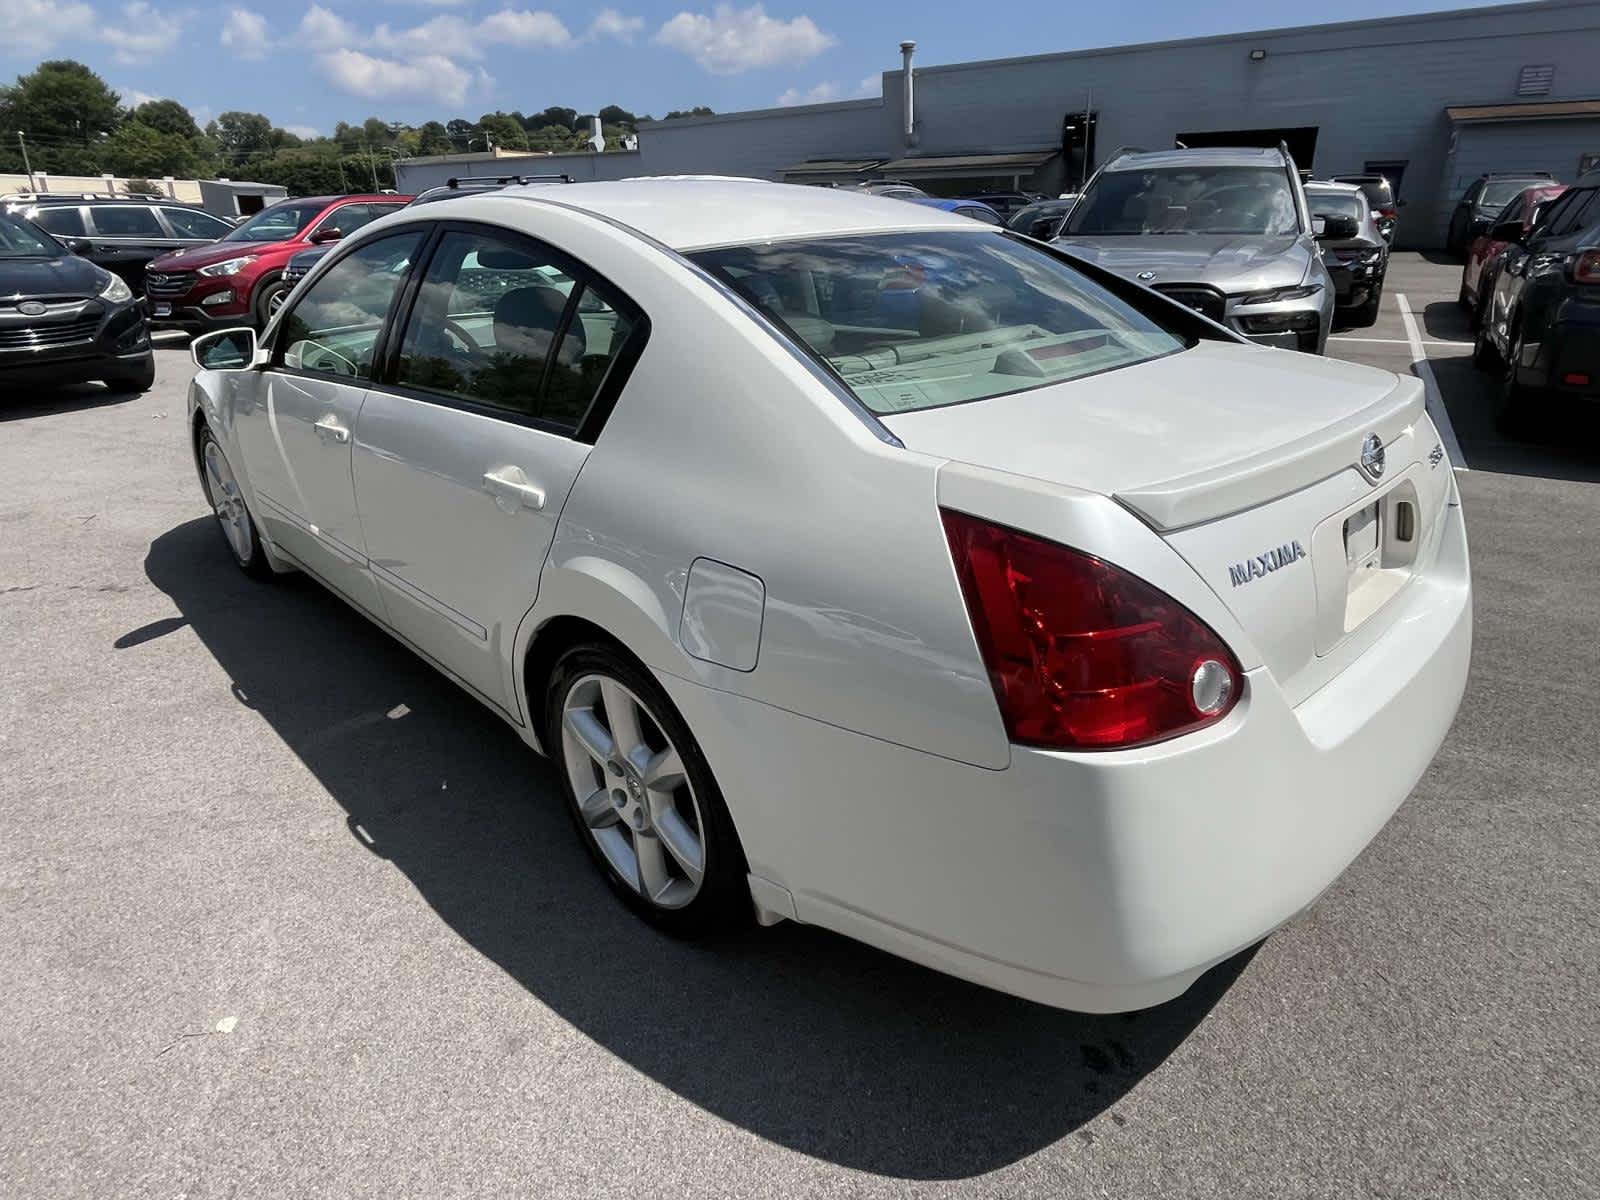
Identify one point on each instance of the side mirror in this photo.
(79, 246)
(1337, 228)
(331, 234)
(224, 350)
(1509, 231)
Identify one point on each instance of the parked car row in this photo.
(1534, 281)
(122, 233)
(1191, 617)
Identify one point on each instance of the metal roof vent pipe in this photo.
(908, 82)
(597, 137)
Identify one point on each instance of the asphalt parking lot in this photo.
(284, 913)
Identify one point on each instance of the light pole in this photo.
(27, 166)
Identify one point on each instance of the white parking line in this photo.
(1344, 337)
(1436, 408)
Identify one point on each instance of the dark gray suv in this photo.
(1224, 231)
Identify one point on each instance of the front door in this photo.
(462, 464)
(297, 442)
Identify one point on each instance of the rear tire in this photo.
(641, 794)
(1515, 404)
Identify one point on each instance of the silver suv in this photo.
(1226, 232)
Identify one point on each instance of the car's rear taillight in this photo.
(1083, 655)
(1586, 267)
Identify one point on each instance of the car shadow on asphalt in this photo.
(17, 404)
(805, 1038)
(1562, 441)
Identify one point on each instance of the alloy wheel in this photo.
(228, 502)
(633, 793)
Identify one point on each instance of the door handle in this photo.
(511, 485)
(329, 427)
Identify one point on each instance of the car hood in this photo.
(1228, 263)
(69, 275)
(191, 257)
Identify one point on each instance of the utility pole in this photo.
(338, 161)
(33, 185)
(372, 165)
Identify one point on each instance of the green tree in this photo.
(433, 138)
(699, 110)
(137, 149)
(376, 132)
(612, 115)
(240, 134)
(504, 129)
(63, 107)
(167, 116)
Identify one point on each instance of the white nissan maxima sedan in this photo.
(861, 565)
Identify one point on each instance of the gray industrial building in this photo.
(1431, 101)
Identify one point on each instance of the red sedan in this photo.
(1483, 256)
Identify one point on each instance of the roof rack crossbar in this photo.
(458, 182)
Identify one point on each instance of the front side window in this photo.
(187, 223)
(501, 324)
(1249, 201)
(126, 220)
(980, 214)
(278, 223)
(63, 222)
(911, 321)
(333, 329)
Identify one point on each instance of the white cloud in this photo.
(732, 40)
(432, 76)
(29, 28)
(444, 34)
(302, 131)
(133, 97)
(872, 85)
(246, 33)
(323, 28)
(524, 27)
(145, 33)
(820, 94)
(437, 3)
(608, 22)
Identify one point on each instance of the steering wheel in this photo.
(452, 326)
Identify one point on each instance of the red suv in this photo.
(239, 279)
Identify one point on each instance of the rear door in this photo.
(510, 355)
(126, 237)
(297, 444)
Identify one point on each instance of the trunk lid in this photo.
(1245, 461)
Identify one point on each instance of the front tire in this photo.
(269, 298)
(138, 379)
(233, 516)
(641, 794)
(1515, 404)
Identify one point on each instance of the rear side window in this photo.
(1579, 212)
(187, 223)
(63, 222)
(333, 328)
(910, 321)
(980, 214)
(503, 324)
(126, 220)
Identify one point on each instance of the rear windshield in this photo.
(919, 320)
(1254, 201)
(1337, 204)
(1497, 193)
(278, 223)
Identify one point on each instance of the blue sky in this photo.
(309, 64)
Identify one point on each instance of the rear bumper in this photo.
(1102, 882)
(1568, 359)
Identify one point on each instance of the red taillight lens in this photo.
(1586, 268)
(1083, 655)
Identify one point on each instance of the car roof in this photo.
(689, 213)
(1211, 156)
(99, 201)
